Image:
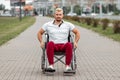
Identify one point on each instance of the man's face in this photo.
(58, 15)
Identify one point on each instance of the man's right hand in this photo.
(75, 45)
(42, 44)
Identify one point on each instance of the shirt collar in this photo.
(59, 24)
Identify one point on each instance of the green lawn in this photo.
(10, 27)
(108, 32)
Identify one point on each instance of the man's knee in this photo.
(51, 43)
(50, 47)
(69, 45)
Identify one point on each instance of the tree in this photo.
(2, 6)
(77, 9)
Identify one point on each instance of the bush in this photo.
(105, 23)
(82, 19)
(95, 22)
(75, 18)
(50, 15)
(88, 21)
(116, 27)
(67, 17)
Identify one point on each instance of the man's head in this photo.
(58, 14)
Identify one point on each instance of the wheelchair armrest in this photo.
(46, 37)
(46, 40)
(71, 37)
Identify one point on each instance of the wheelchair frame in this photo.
(58, 55)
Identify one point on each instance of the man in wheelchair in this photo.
(58, 31)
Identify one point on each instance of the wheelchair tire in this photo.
(42, 63)
(73, 63)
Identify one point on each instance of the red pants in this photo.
(67, 48)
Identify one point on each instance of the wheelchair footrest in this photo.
(49, 70)
(70, 72)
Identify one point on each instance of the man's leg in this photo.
(50, 52)
(68, 52)
(50, 55)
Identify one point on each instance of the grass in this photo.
(10, 27)
(108, 32)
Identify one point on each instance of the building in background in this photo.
(6, 3)
(48, 6)
(25, 6)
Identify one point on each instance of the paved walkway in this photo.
(98, 58)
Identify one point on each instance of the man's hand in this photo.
(42, 44)
(40, 33)
(77, 36)
(75, 45)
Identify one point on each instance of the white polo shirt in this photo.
(58, 33)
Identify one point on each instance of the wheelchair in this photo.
(58, 55)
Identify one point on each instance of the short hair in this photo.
(59, 10)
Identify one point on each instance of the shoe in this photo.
(68, 68)
(50, 69)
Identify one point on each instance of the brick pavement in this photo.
(98, 58)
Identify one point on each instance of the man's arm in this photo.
(77, 36)
(39, 35)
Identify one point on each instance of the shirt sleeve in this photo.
(71, 26)
(44, 27)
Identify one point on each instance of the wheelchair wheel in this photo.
(43, 63)
(73, 64)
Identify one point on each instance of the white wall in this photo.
(6, 3)
(29, 1)
(118, 4)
